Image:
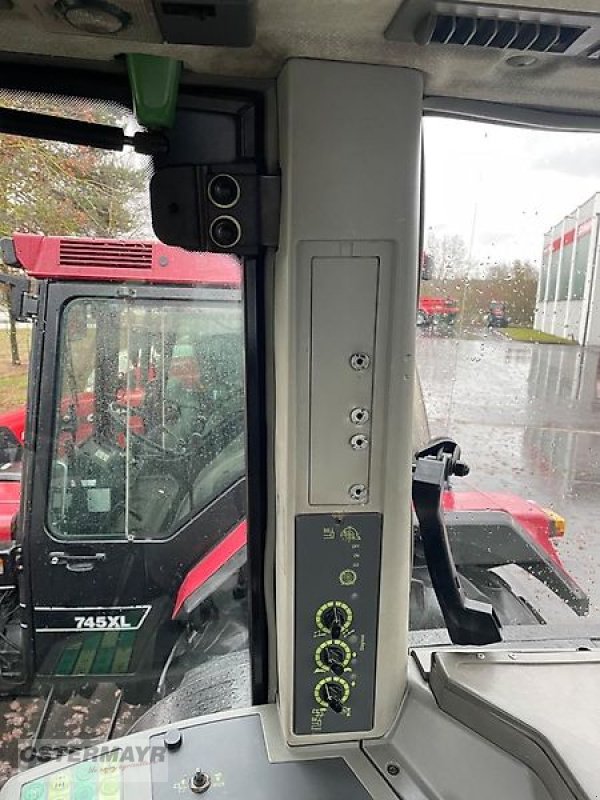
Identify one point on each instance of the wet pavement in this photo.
(528, 419)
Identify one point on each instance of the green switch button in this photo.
(109, 787)
(60, 783)
(34, 791)
(86, 771)
(84, 791)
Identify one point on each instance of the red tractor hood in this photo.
(532, 517)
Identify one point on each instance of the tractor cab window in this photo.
(149, 425)
(508, 352)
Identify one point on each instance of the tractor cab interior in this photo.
(231, 507)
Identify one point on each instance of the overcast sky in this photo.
(503, 187)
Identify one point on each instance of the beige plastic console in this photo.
(543, 708)
(344, 340)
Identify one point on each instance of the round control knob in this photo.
(334, 618)
(334, 656)
(332, 693)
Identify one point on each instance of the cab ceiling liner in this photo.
(500, 27)
(225, 23)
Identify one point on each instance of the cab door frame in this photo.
(109, 565)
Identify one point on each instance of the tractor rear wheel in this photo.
(219, 684)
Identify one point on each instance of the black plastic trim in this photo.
(254, 294)
(75, 80)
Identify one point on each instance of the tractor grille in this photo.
(113, 255)
(503, 34)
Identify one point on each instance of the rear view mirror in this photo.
(17, 287)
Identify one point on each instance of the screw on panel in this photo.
(173, 739)
(360, 361)
(392, 769)
(358, 492)
(359, 416)
(359, 442)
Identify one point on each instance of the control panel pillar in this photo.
(344, 337)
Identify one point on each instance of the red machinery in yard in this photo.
(543, 525)
(498, 314)
(133, 509)
(437, 311)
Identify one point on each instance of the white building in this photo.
(568, 300)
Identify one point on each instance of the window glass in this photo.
(150, 417)
(134, 540)
(511, 228)
(544, 267)
(565, 265)
(553, 271)
(580, 266)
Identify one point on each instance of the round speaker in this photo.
(225, 232)
(223, 191)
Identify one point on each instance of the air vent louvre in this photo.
(504, 34)
(114, 255)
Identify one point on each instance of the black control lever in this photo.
(468, 621)
(333, 701)
(332, 660)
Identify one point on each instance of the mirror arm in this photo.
(468, 621)
(71, 131)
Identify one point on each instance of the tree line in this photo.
(67, 190)
(514, 283)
